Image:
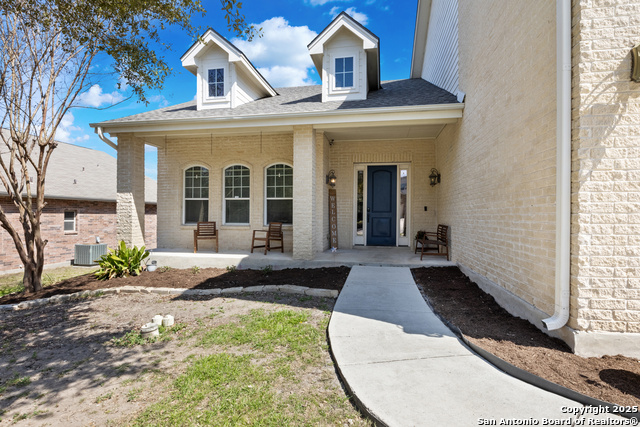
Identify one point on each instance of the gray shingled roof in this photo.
(304, 99)
(79, 173)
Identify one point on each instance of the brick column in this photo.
(304, 191)
(130, 207)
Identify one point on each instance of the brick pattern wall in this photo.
(92, 219)
(498, 164)
(255, 151)
(304, 192)
(419, 153)
(605, 263)
(130, 186)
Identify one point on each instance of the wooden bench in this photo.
(205, 231)
(273, 233)
(439, 239)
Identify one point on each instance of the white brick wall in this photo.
(130, 198)
(606, 168)
(498, 164)
(254, 151)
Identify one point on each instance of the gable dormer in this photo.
(225, 77)
(347, 57)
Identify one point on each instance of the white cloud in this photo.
(160, 100)
(67, 132)
(95, 98)
(279, 76)
(358, 16)
(281, 53)
(322, 2)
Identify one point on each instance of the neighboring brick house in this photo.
(80, 193)
(526, 109)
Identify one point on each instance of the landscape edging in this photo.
(530, 378)
(299, 290)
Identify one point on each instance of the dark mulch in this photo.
(206, 278)
(614, 379)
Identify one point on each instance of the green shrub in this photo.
(121, 262)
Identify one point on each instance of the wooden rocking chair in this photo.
(274, 233)
(439, 239)
(205, 231)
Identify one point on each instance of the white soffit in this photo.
(385, 133)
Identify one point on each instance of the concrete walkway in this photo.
(404, 367)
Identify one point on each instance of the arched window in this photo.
(196, 194)
(279, 194)
(237, 187)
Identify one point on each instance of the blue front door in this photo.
(381, 205)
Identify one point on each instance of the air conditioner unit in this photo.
(89, 254)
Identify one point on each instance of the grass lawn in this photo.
(10, 283)
(256, 360)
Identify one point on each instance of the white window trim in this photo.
(184, 193)
(264, 218)
(356, 72)
(204, 82)
(224, 82)
(224, 198)
(335, 72)
(75, 222)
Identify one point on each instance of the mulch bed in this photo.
(205, 278)
(614, 379)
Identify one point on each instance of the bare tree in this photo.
(47, 50)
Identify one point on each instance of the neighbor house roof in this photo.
(300, 100)
(79, 173)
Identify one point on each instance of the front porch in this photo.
(372, 256)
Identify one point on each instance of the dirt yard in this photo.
(59, 365)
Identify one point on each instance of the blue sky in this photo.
(280, 55)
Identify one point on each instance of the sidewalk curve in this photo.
(404, 367)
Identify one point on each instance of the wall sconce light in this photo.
(434, 178)
(635, 64)
(331, 178)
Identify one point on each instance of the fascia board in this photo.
(317, 45)
(189, 58)
(423, 14)
(258, 77)
(441, 113)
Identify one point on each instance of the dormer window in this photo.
(216, 82)
(344, 72)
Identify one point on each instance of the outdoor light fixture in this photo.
(434, 178)
(331, 178)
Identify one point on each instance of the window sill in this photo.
(70, 233)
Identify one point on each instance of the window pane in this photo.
(212, 76)
(339, 80)
(360, 203)
(188, 193)
(220, 89)
(348, 64)
(220, 75)
(69, 216)
(348, 80)
(212, 90)
(196, 211)
(245, 193)
(288, 192)
(237, 211)
(68, 226)
(339, 65)
(280, 211)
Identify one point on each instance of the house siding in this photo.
(256, 151)
(93, 219)
(440, 65)
(605, 262)
(498, 163)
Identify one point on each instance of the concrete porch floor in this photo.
(359, 255)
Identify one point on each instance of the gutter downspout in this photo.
(563, 167)
(105, 139)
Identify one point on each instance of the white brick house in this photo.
(540, 178)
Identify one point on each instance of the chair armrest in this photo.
(259, 231)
